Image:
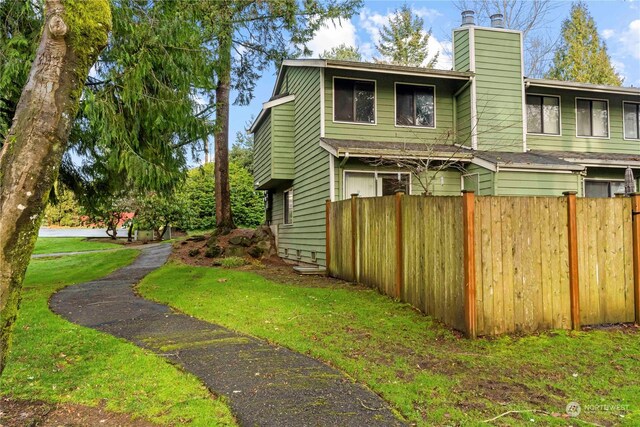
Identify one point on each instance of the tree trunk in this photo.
(224, 218)
(75, 31)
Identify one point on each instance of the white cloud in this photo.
(424, 12)
(445, 61)
(607, 34)
(333, 34)
(371, 22)
(630, 39)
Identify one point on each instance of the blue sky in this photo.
(618, 23)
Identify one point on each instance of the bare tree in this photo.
(71, 40)
(532, 17)
(427, 159)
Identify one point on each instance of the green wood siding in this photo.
(262, 153)
(498, 89)
(461, 50)
(282, 134)
(485, 180)
(568, 141)
(463, 123)
(445, 183)
(311, 171)
(536, 183)
(385, 128)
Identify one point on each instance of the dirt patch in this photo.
(626, 328)
(25, 413)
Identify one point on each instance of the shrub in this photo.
(198, 191)
(232, 262)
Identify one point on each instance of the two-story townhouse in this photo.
(335, 128)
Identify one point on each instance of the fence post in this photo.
(399, 245)
(635, 212)
(574, 281)
(354, 237)
(469, 260)
(327, 247)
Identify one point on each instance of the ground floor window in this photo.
(598, 188)
(372, 184)
(288, 206)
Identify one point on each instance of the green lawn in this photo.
(428, 373)
(57, 361)
(51, 245)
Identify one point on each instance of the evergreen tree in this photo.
(344, 52)
(248, 36)
(582, 56)
(242, 151)
(404, 41)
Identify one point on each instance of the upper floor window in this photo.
(543, 114)
(631, 120)
(354, 101)
(415, 105)
(592, 117)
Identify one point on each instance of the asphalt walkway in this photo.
(266, 385)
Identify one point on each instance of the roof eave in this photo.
(556, 84)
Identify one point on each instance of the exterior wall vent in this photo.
(468, 18)
(497, 20)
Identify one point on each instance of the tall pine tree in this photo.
(247, 37)
(582, 56)
(404, 41)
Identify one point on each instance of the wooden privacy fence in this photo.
(493, 264)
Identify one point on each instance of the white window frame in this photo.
(624, 133)
(468, 175)
(375, 101)
(284, 207)
(608, 117)
(584, 184)
(395, 106)
(559, 114)
(375, 176)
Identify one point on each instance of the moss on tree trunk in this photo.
(75, 31)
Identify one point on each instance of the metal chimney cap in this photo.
(497, 20)
(468, 18)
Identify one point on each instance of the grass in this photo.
(232, 262)
(429, 374)
(56, 361)
(50, 245)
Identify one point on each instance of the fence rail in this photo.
(493, 264)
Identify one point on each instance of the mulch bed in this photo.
(272, 268)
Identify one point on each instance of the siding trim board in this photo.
(575, 111)
(474, 89)
(524, 99)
